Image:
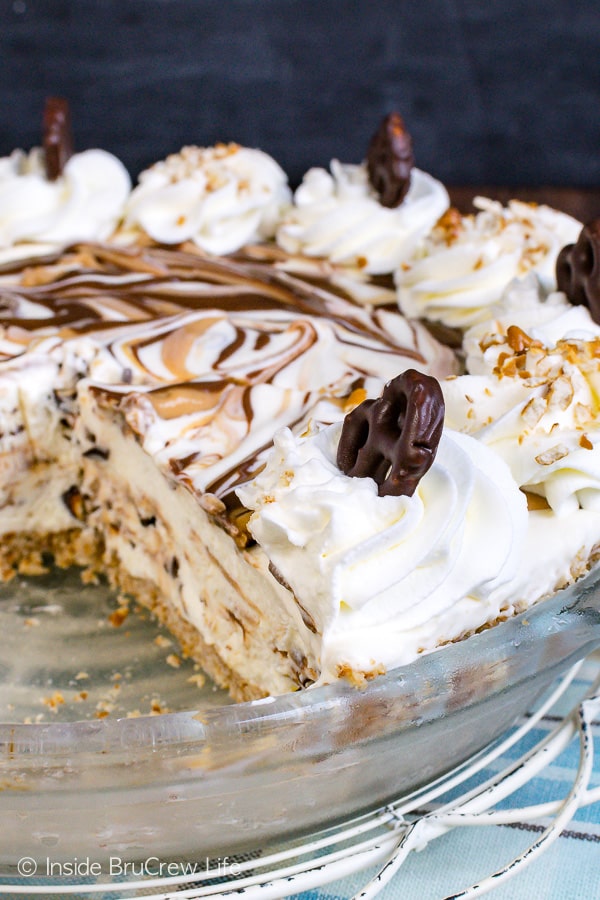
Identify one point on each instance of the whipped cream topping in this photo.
(546, 318)
(538, 409)
(337, 216)
(464, 265)
(85, 203)
(386, 578)
(219, 197)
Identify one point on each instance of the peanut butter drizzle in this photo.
(177, 345)
(179, 400)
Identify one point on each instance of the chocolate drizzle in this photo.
(86, 295)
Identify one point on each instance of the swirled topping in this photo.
(538, 409)
(354, 284)
(82, 203)
(463, 266)
(206, 390)
(219, 197)
(337, 216)
(206, 357)
(95, 288)
(385, 578)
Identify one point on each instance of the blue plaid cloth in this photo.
(569, 869)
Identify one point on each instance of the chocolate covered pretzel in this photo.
(394, 439)
(578, 269)
(390, 161)
(57, 138)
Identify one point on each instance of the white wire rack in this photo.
(384, 839)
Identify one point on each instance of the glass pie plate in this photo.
(111, 746)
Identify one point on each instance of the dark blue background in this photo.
(493, 92)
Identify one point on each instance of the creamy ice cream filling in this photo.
(154, 531)
(139, 389)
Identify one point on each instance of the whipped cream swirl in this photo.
(338, 216)
(85, 203)
(524, 304)
(219, 197)
(537, 406)
(386, 578)
(462, 268)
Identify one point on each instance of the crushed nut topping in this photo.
(559, 451)
(191, 160)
